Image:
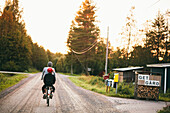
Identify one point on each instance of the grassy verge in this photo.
(165, 97)
(7, 80)
(165, 110)
(84, 82)
(97, 84)
(70, 74)
(31, 70)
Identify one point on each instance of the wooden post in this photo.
(107, 51)
(116, 87)
(165, 80)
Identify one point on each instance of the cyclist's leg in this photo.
(53, 88)
(44, 89)
(52, 91)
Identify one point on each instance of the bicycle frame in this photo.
(48, 88)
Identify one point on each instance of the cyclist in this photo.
(48, 77)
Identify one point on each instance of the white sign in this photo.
(152, 83)
(147, 82)
(89, 69)
(143, 77)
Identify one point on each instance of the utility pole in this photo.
(71, 62)
(107, 51)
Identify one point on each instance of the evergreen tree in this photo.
(141, 56)
(39, 57)
(83, 34)
(15, 52)
(157, 37)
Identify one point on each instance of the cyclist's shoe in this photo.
(44, 96)
(51, 96)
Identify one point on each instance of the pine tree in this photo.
(84, 33)
(141, 56)
(39, 57)
(157, 37)
(15, 50)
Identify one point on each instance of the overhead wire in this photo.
(86, 49)
(154, 3)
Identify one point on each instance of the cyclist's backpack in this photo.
(49, 79)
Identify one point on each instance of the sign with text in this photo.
(149, 80)
(152, 83)
(143, 77)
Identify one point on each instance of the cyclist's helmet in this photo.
(49, 64)
(50, 70)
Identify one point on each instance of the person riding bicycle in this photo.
(48, 77)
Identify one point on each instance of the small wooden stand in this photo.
(146, 91)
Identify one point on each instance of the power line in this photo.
(86, 49)
(154, 3)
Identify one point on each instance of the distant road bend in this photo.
(69, 98)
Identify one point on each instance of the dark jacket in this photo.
(49, 79)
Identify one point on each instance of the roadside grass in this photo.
(165, 97)
(69, 74)
(97, 84)
(7, 80)
(165, 110)
(90, 83)
(31, 70)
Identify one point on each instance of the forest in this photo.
(87, 50)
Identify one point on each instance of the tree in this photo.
(157, 37)
(141, 56)
(60, 65)
(98, 64)
(15, 50)
(84, 34)
(39, 57)
(129, 32)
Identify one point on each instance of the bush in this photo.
(93, 81)
(31, 70)
(2, 78)
(96, 81)
(125, 88)
(111, 75)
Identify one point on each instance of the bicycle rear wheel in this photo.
(48, 101)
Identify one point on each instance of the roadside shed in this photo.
(164, 70)
(127, 74)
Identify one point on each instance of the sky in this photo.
(48, 22)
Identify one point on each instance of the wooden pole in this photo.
(165, 80)
(107, 51)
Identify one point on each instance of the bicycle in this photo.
(49, 92)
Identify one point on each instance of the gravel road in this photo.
(69, 98)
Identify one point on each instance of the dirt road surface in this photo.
(69, 98)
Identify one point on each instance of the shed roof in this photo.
(128, 69)
(159, 65)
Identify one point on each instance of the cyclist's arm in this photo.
(42, 74)
(54, 76)
(54, 71)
